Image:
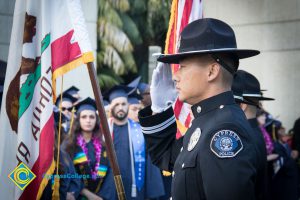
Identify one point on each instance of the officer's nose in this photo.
(175, 78)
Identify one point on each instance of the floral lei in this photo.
(97, 146)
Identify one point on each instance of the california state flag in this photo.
(49, 38)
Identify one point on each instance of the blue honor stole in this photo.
(139, 153)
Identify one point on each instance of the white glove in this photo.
(162, 89)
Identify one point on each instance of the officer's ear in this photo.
(243, 106)
(214, 70)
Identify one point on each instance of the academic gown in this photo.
(66, 184)
(85, 169)
(152, 187)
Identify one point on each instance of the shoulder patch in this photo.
(226, 144)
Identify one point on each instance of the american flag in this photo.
(183, 12)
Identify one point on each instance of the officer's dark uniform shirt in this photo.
(218, 158)
(262, 178)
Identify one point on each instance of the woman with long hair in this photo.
(86, 148)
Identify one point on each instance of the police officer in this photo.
(247, 93)
(217, 158)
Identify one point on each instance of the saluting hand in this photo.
(162, 89)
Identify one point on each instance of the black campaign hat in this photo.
(252, 87)
(207, 36)
(238, 87)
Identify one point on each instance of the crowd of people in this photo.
(234, 148)
(83, 156)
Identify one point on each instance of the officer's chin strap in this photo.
(225, 65)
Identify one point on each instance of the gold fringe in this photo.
(72, 120)
(166, 173)
(85, 58)
(171, 22)
(55, 193)
(45, 180)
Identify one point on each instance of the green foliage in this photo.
(125, 30)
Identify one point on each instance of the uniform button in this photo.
(221, 106)
(182, 165)
(198, 109)
(181, 149)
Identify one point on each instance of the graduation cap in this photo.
(56, 116)
(272, 122)
(72, 90)
(86, 104)
(118, 91)
(136, 83)
(143, 87)
(65, 97)
(134, 98)
(105, 102)
(252, 87)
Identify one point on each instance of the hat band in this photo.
(252, 95)
(238, 97)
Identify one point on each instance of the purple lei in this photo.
(97, 146)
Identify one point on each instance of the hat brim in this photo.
(262, 98)
(175, 58)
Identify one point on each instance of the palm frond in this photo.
(115, 36)
(121, 5)
(113, 60)
(109, 14)
(129, 62)
(131, 29)
(138, 6)
(108, 78)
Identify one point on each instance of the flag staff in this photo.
(105, 130)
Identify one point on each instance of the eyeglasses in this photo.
(64, 109)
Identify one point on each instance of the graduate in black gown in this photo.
(134, 163)
(86, 148)
(69, 187)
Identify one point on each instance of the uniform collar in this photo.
(212, 103)
(253, 122)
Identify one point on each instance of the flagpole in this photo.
(105, 130)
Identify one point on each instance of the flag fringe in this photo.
(171, 22)
(84, 59)
(45, 180)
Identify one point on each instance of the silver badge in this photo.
(194, 139)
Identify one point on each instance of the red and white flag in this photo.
(49, 38)
(183, 12)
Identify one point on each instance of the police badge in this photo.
(194, 139)
(226, 144)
